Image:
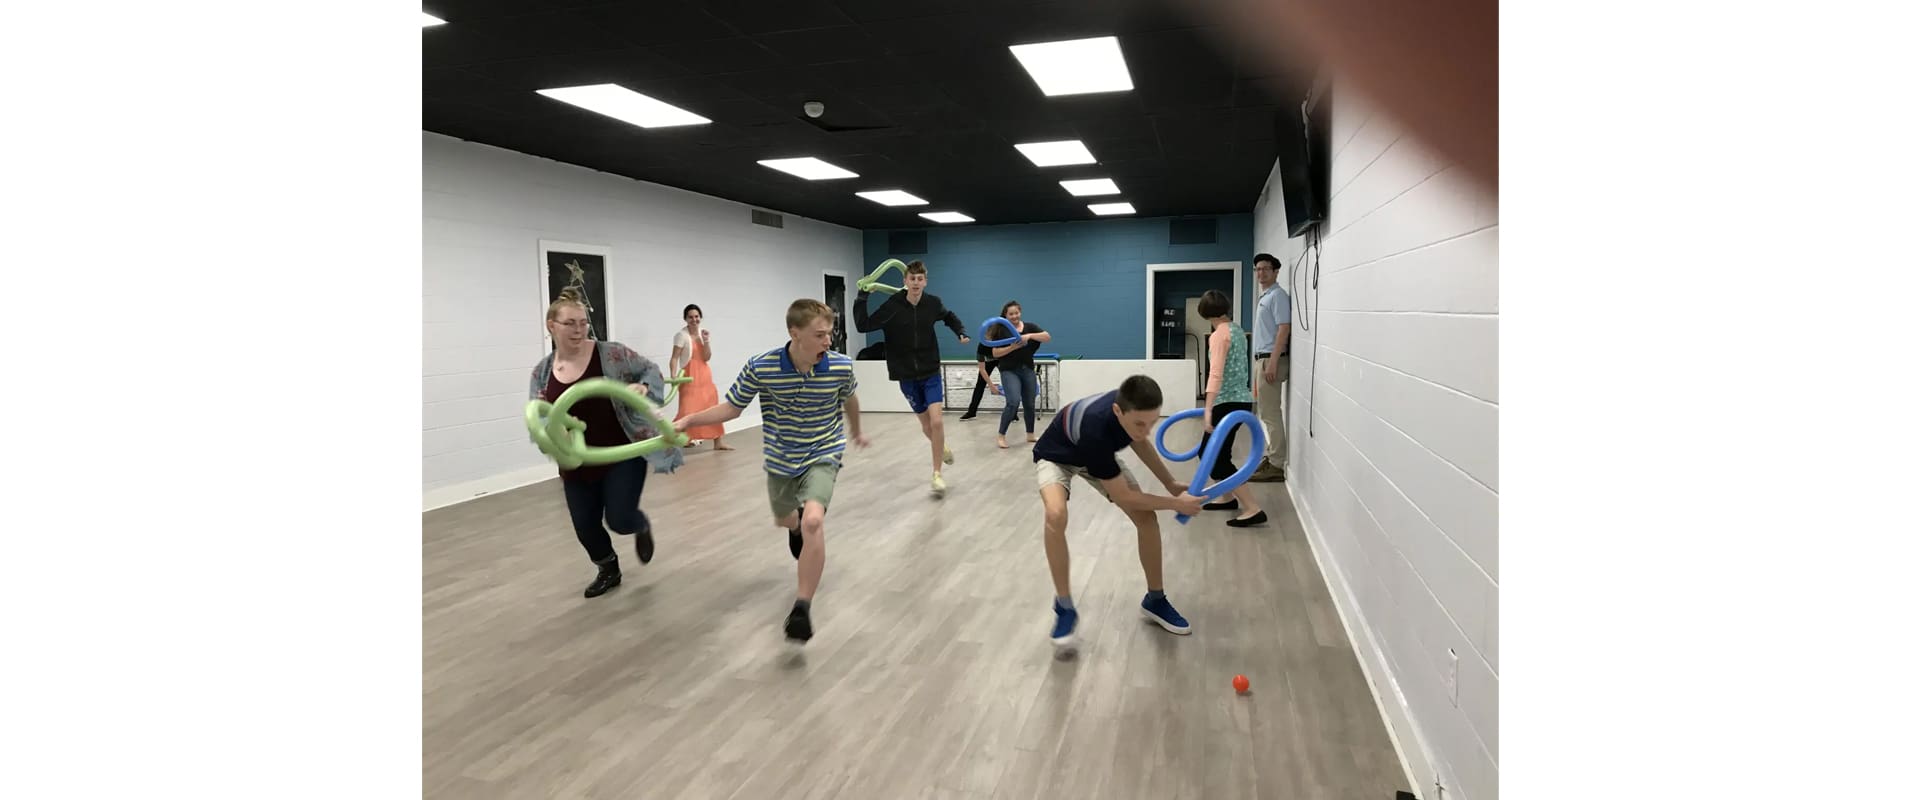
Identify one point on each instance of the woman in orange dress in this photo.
(692, 349)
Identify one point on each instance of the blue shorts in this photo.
(924, 392)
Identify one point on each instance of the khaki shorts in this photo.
(1052, 473)
(788, 494)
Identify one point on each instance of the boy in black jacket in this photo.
(913, 355)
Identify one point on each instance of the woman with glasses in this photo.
(609, 491)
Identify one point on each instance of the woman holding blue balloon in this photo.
(1229, 389)
(612, 490)
(1017, 382)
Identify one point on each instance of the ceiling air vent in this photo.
(768, 219)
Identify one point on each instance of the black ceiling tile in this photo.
(1124, 148)
(905, 99)
(846, 43)
(1274, 90)
(755, 17)
(744, 112)
(658, 22)
(720, 56)
(873, 69)
(626, 67)
(881, 10)
(929, 38)
(450, 83)
(537, 35)
(447, 46)
(1053, 22)
(1254, 124)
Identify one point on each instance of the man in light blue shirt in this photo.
(1272, 322)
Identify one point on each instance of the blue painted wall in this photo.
(1085, 282)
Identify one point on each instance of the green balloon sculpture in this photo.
(562, 436)
(872, 283)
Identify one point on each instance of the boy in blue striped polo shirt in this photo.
(803, 387)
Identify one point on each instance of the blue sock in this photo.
(1155, 594)
(1064, 602)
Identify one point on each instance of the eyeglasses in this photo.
(577, 323)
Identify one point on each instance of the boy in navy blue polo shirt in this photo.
(1083, 440)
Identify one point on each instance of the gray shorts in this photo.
(1051, 473)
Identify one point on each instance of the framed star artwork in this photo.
(584, 268)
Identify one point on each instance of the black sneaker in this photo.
(643, 540)
(799, 624)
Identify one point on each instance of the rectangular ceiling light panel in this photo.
(1056, 154)
(1081, 66)
(625, 105)
(811, 168)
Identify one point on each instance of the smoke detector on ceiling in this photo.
(814, 108)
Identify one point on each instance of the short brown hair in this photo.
(916, 268)
(1214, 303)
(1139, 393)
(804, 311)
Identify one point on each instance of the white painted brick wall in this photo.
(485, 212)
(1399, 484)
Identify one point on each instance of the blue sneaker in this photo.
(1064, 621)
(1160, 612)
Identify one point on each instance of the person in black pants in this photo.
(984, 355)
(1229, 389)
(613, 490)
(1019, 385)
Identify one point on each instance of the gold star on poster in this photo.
(579, 275)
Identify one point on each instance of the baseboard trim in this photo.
(492, 484)
(1415, 760)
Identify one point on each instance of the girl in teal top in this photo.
(1229, 389)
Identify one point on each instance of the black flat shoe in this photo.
(1230, 505)
(1257, 519)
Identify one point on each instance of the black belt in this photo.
(1258, 356)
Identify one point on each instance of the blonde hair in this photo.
(804, 311)
(569, 296)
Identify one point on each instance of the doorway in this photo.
(834, 294)
(1175, 329)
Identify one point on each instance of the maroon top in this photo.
(603, 427)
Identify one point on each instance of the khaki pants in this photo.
(1269, 406)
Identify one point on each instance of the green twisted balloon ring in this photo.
(673, 386)
(561, 436)
(872, 283)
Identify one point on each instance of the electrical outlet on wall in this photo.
(1453, 677)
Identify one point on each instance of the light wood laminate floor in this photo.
(929, 674)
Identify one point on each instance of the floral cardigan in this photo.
(619, 362)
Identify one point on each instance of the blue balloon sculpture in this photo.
(988, 325)
(1219, 438)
